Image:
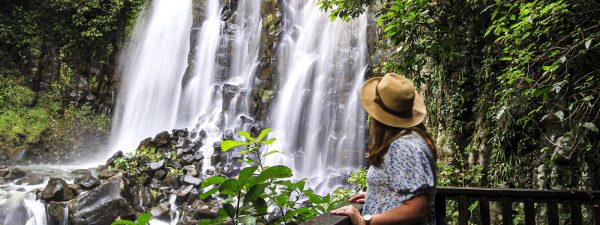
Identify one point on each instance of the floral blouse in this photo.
(407, 171)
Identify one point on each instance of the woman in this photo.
(401, 179)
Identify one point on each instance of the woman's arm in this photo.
(410, 212)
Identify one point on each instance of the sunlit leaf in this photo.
(246, 135)
(590, 126)
(229, 144)
(263, 134)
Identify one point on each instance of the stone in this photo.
(111, 160)
(75, 188)
(229, 91)
(81, 172)
(157, 165)
(186, 220)
(191, 180)
(57, 190)
(161, 211)
(142, 198)
(180, 132)
(205, 210)
(15, 173)
(3, 172)
(187, 159)
(182, 193)
(191, 170)
(160, 174)
(103, 204)
(198, 156)
(182, 151)
(146, 143)
(202, 134)
(194, 195)
(57, 213)
(162, 139)
(171, 181)
(105, 174)
(227, 135)
(31, 179)
(87, 182)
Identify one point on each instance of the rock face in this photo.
(103, 204)
(87, 182)
(57, 190)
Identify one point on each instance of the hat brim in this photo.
(367, 97)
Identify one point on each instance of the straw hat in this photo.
(393, 101)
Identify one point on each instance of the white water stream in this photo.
(151, 71)
(317, 118)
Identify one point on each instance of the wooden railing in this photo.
(505, 197)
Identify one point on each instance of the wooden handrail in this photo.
(505, 197)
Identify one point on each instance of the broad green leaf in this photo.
(281, 200)
(123, 222)
(229, 144)
(590, 126)
(260, 205)
(268, 142)
(246, 135)
(229, 210)
(212, 181)
(263, 134)
(245, 174)
(208, 193)
(274, 172)
(254, 192)
(229, 185)
(314, 198)
(143, 219)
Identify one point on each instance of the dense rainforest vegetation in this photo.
(58, 73)
(511, 86)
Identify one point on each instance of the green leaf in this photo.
(268, 142)
(274, 172)
(123, 222)
(246, 173)
(590, 126)
(212, 181)
(281, 200)
(229, 144)
(208, 193)
(560, 115)
(260, 205)
(588, 43)
(263, 134)
(254, 192)
(144, 218)
(229, 209)
(246, 135)
(247, 220)
(271, 153)
(229, 185)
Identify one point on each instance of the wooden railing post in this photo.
(507, 211)
(440, 209)
(553, 212)
(484, 211)
(463, 209)
(576, 217)
(529, 212)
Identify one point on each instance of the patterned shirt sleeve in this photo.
(410, 169)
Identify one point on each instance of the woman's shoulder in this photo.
(412, 141)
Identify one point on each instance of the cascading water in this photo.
(317, 118)
(153, 67)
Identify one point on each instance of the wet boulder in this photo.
(191, 180)
(142, 198)
(81, 172)
(103, 204)
(162, 139)
(57, 190)
(146, 143)
(31, 179)
(157, 165)
(87, 182)
(57, 213)
(15, 173)
(161, 211)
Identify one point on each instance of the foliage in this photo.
(511, 86)
(142, 219)
(120, 163)
(247, 198)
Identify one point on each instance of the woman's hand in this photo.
(352, 212)
(360, 198)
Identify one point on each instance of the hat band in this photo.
(379, 102)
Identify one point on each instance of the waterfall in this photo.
(317, 118)
(152, 68)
